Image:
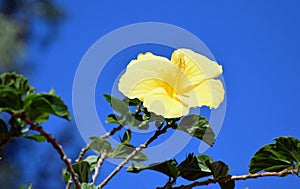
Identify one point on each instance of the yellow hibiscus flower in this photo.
(171, 87)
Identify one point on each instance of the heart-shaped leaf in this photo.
(284, 154)
(195, 167)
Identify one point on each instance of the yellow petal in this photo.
(209, 93)
(147, 56)
(196, 66)
(159, 102)
(150, 72)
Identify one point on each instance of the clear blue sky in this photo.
(257, 42)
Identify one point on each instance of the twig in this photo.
(82, 153)
(241, 177)
(98, 166)
(112, 132)
(69, 184)
(134, 153)
(56, 146)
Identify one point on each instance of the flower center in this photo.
(178, 59)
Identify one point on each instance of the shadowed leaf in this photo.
(197, 126)
(195, 167)
(276, 157)
(83, 170)
(10, 100)
(220, 170)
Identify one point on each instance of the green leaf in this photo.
(167, 167)
(289, 146)
(88, 186)
(107, 97)
(220, 170)
(30, 187)
(16, 82)
(92, 160)
(100, 145)
(137, 121)
(83, 170)
(10, 100)
(26, 187)
(132, 102)
(37, 138)
(65, 175)
(37, 107)
(195, 167)
(117, 104)
(36, 115)
(126, 137)
(16, 127)
(284, 154)
(197, 126)
(113, 118)
(124, 150)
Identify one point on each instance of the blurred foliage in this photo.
(23, 23)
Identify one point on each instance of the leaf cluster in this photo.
(20, 100)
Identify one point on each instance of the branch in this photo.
(98, 166)
(134, 153)
(112, 132)
(82, 153)
(87, 147)
(56, 146)
(241, 177)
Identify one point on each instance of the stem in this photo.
(99, 164)
(240, 177)
(69, 184)
(56, 146)
(134, 153)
